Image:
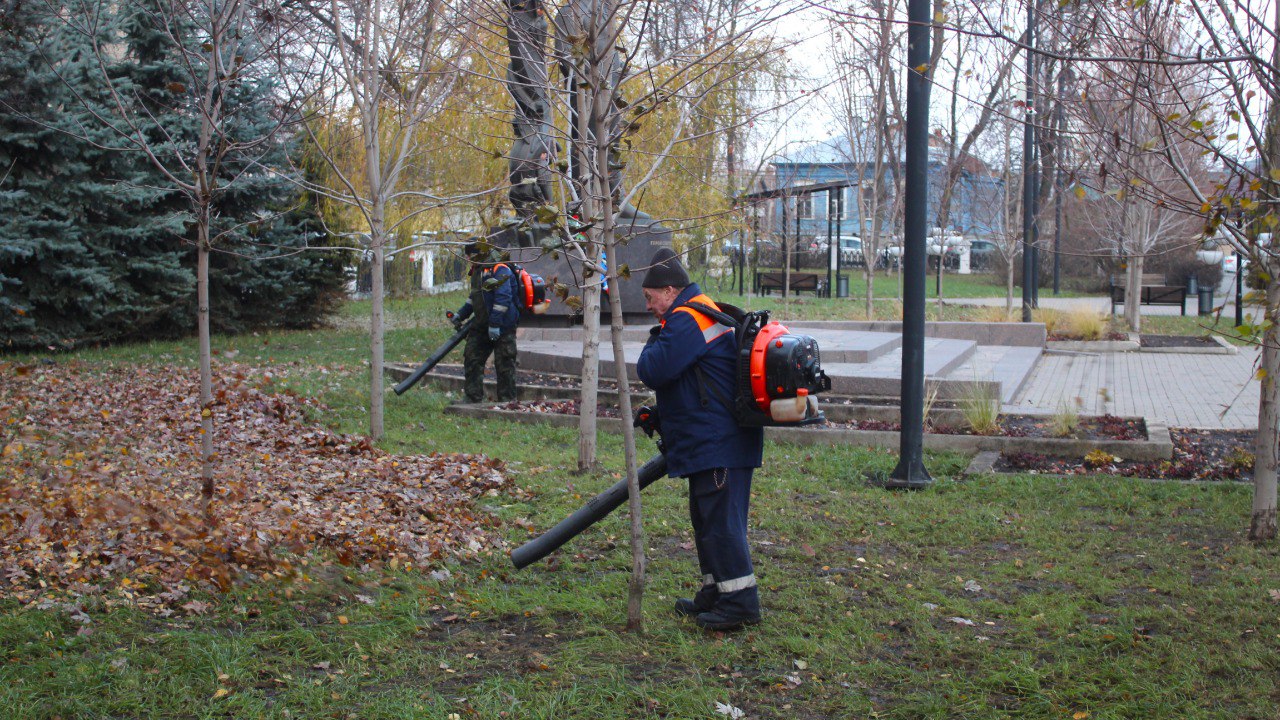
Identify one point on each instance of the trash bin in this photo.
(1206, 299)
(842, 286)
(1193, 285)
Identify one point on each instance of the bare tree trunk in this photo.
(1008, 288)
(593, 189)
(786, 257)
(206, 364)
(378, 238)
(590, 382)
(635, 591)
(376, 343)
(1133, 293)
(869, 274)
(1262, 524)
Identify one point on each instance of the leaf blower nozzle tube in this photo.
(426, 367)
(587, 515)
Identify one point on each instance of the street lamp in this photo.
(910, 474)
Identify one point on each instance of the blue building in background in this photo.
(975, 203)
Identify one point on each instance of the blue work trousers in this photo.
(719, 501)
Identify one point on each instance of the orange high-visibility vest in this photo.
(710, 327)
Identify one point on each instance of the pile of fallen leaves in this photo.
(100, 481)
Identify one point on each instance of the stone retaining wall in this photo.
(1157, 446)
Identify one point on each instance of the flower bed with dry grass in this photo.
(1197, 455)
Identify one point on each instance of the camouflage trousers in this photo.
(476, 354)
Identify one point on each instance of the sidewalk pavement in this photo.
(1179, 389)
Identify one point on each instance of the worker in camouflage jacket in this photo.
(493, 331)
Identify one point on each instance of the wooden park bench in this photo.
(1154, 291)
(766, 281)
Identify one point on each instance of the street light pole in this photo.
(1028, 174)
(1239, 288)
(910, 474)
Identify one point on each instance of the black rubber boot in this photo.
(686, 606)
(702, 602)
(715, 621)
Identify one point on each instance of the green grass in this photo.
(886, 285)
(1195, 325)
(1107, 596)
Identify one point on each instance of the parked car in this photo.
(1229, 263)
(982, 254)
(851, 251)
(949, 248)
(766, 253)
(732, 249)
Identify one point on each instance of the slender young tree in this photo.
(867, 89)
(610, 89)
(198, 130)
(389, 66)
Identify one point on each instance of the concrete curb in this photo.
(1091, 346)
(836, 411)
(983, 462)
(1157, 446)
(524, 391)
(1221, 347)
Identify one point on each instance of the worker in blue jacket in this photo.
(686, 353)
(493, 302)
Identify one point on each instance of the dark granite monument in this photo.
(534, 151)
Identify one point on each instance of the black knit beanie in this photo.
(665, 271)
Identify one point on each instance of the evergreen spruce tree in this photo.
(92, 245)
(87, 250)
(260, 274)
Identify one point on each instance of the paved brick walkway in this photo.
(1183, 390)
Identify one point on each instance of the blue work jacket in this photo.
(493, 308)
(698, 429)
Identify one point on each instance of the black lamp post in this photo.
(1028, 173)
(1239, 288)
(910, 473)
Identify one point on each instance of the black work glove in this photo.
(646, 419)
(653, 334)
(459, 317)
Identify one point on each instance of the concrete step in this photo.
(883, 375)
(856, 347)
(1010, 366)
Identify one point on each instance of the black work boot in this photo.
(702, 602)
(717, 620)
